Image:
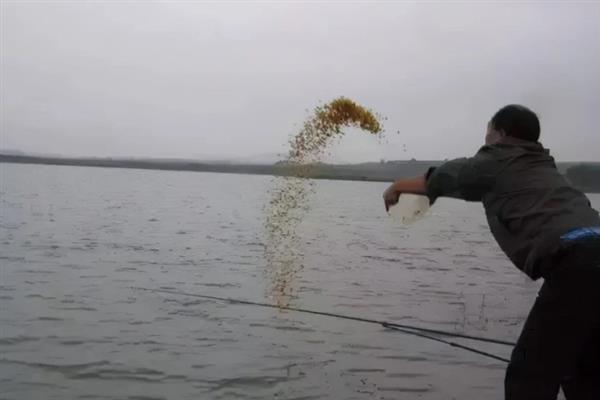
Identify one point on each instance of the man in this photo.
(548, 230)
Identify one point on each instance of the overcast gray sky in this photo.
(196, 79)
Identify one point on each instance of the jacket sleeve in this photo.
(463, 178)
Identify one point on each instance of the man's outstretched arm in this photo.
(462, 178)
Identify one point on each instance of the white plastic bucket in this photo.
(410, 208)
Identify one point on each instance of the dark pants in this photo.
(560, 342)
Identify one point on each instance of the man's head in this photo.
(515, 121)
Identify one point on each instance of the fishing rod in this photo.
(408, 329)
(453, 344)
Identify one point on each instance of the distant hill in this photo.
(584, 175)
(381, 171)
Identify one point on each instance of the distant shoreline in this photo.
(320, 171)
(365, 172)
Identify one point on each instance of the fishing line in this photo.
(408, 329)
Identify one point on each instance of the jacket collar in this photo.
(513, 141)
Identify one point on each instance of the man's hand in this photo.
(391, 196)
(416, 185)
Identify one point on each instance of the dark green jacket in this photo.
(528, 203)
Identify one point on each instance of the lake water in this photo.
(74, 241)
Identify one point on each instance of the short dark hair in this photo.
(517, 121)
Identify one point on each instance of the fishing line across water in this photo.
(426, 333)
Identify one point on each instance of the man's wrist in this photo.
(416, 185)
(399, 185)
